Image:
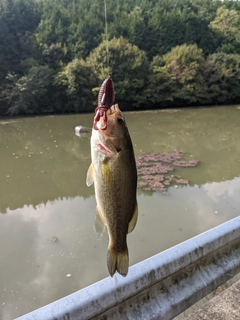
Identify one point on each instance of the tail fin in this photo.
(117, 261)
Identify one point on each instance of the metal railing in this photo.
(160, 287)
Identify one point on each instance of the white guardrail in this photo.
(160, 287)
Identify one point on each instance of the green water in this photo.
(47, 241)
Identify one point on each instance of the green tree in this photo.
(226, 25)
(162, 86)
(131, 23)
(30, 94)
(184, 65)
(222, 76)
(226, 22)
(6, 92)
(62, 41)
(18, 20)
(74, 85)
(175, 22)
(78, 25)
(129, 67)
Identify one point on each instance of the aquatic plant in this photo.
(153, 169)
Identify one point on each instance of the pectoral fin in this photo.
(90, 175)
(133, 221)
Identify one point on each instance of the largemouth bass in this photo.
(113, 171)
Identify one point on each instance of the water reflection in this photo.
(41, 160)
(43, 195)
(35, 268)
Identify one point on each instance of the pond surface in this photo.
(48, 245)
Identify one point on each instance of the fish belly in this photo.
(115, 188)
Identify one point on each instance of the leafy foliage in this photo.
(129, 68)
(30, 92)
(53, 54)
(226, 25)
(226, 22)
(183, 64)
(222, 73)
(18, 21)
(74, 85)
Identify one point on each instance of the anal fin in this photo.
(99, 225)
(133, 221)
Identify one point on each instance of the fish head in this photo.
(115, 122)
(111, 139)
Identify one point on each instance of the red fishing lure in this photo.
(106, 98)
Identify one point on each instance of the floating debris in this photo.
(153, 167)
(6, 122)
(53, 239)
(182, 181)
(191, 163)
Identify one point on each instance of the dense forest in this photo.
(161, 53)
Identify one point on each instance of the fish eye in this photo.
(120, 120)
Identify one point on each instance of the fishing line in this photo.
(106, 30)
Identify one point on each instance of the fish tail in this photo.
(117, 261)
